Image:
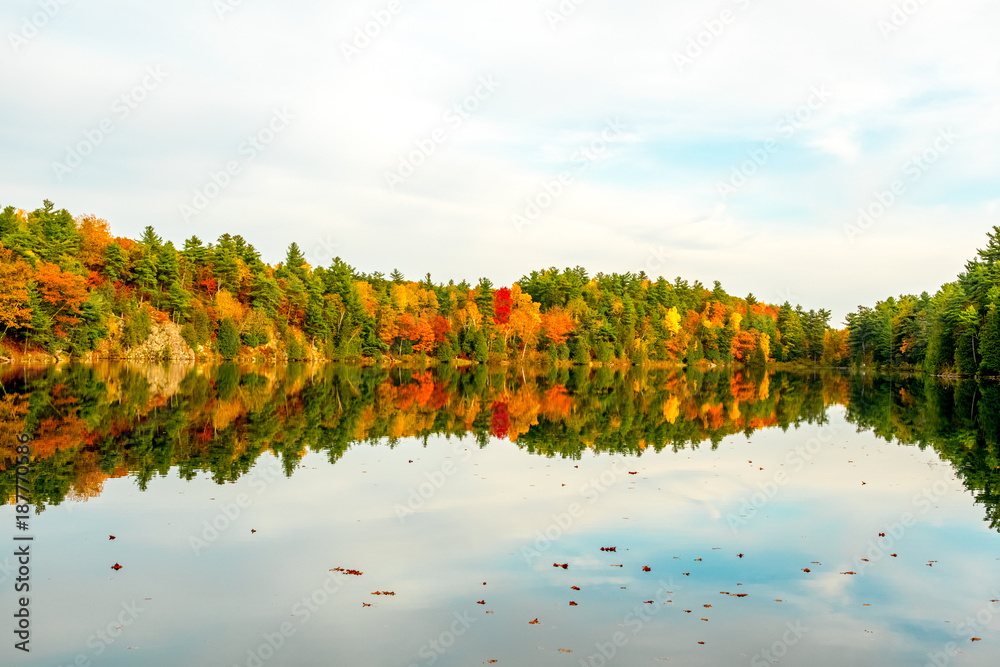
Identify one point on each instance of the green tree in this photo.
(228, 341)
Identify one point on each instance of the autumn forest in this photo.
(68, 287)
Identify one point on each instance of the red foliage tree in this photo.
(502, 303)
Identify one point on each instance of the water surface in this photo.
(235, 494)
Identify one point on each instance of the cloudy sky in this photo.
(732, 140)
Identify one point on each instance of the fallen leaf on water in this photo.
(976, 639)
(648, 602)
(697, 559)
(575, 588)
(111, 537)
(562, 565)
(704, 619)
(481, 602)
(572, 604)
(706, 605)
(365, 604)
(490, 662)
(723, 592)
(866, 605)
(116, 567)
(686, 574)
(384, 593)
(848, 572)
(618, 565)
(633, 473)
(609, 548)
(687, 611)
(881, 534)
(739, 555)
(865, 560)
(893, 555)
(253, 530)
(534, 622)
(740, 595)
(777, 600)
(646, 568)
(701, 642)
(806, 569)
(565, 650)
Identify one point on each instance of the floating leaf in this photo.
(976, 639)
(575, 588)
(481, 602)
(572, 604)
(562, 565)
(806, 569)
(646, 568)
(111, 537)
(534, 622)
(116, 567)
(848, 572)
(565, 650)
(609, 548)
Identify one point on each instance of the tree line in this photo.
(956, 331)
(69, 287)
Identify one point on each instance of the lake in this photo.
(329, 515)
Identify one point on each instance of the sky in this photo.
(828, 154)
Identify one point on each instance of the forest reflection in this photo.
(93, 422)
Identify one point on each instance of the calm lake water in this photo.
(573, 518)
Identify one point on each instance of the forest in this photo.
(956, 331)
(69, 288)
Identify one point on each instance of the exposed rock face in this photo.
(164, 342)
